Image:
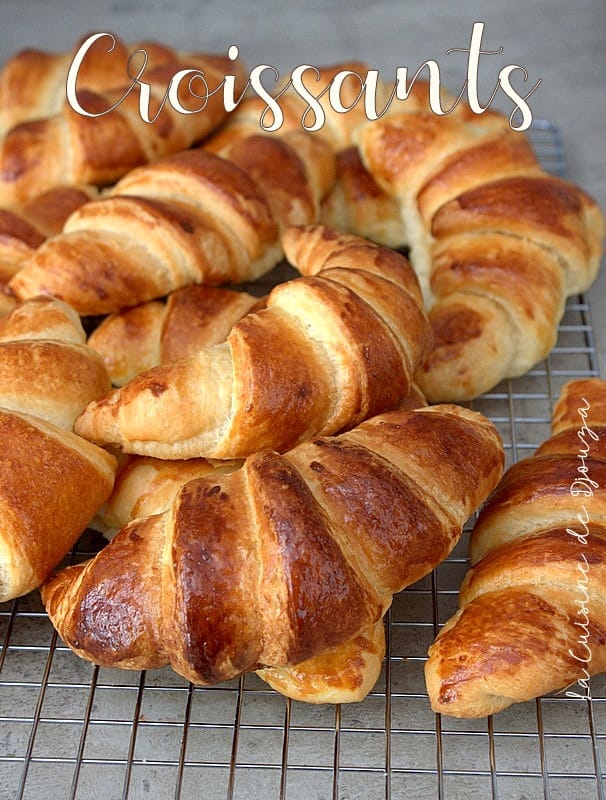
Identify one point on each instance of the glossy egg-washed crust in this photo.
(286, 558)
(327, 351)
(532, 609)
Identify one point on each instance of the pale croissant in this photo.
(498, 244)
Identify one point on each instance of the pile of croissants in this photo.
(272, 461)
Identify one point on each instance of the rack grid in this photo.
(72, 731)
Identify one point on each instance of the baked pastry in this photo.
(497, 243)
(57, 144)
(52, 482)
(329, 350)
(194, 217)
(136, 339)
(531, 615)
(294, 555)
(146, 486)
(32, 82)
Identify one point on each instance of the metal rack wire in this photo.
(70, 730)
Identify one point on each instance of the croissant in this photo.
(532, 615)
(146, 486)
(52, 482)
(136, 339)
(497, 243)
(328, 350)
(193, 217)
(32, 82)
(66, 146)
(286, 558)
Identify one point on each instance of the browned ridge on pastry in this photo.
(193, 217)
(285, 558)
(532, 608)
(327, 351)
(54, 144)
(52, 482)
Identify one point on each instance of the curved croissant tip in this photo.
(97, 421)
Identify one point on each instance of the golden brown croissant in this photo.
(286, 558)
(532, 615)
(328, 350)
(498, 244)
(52, 482)
(194, 217)
(146, 486)
(66, 146)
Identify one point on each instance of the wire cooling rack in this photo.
(70, 730)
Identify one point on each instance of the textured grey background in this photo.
(560, 42)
